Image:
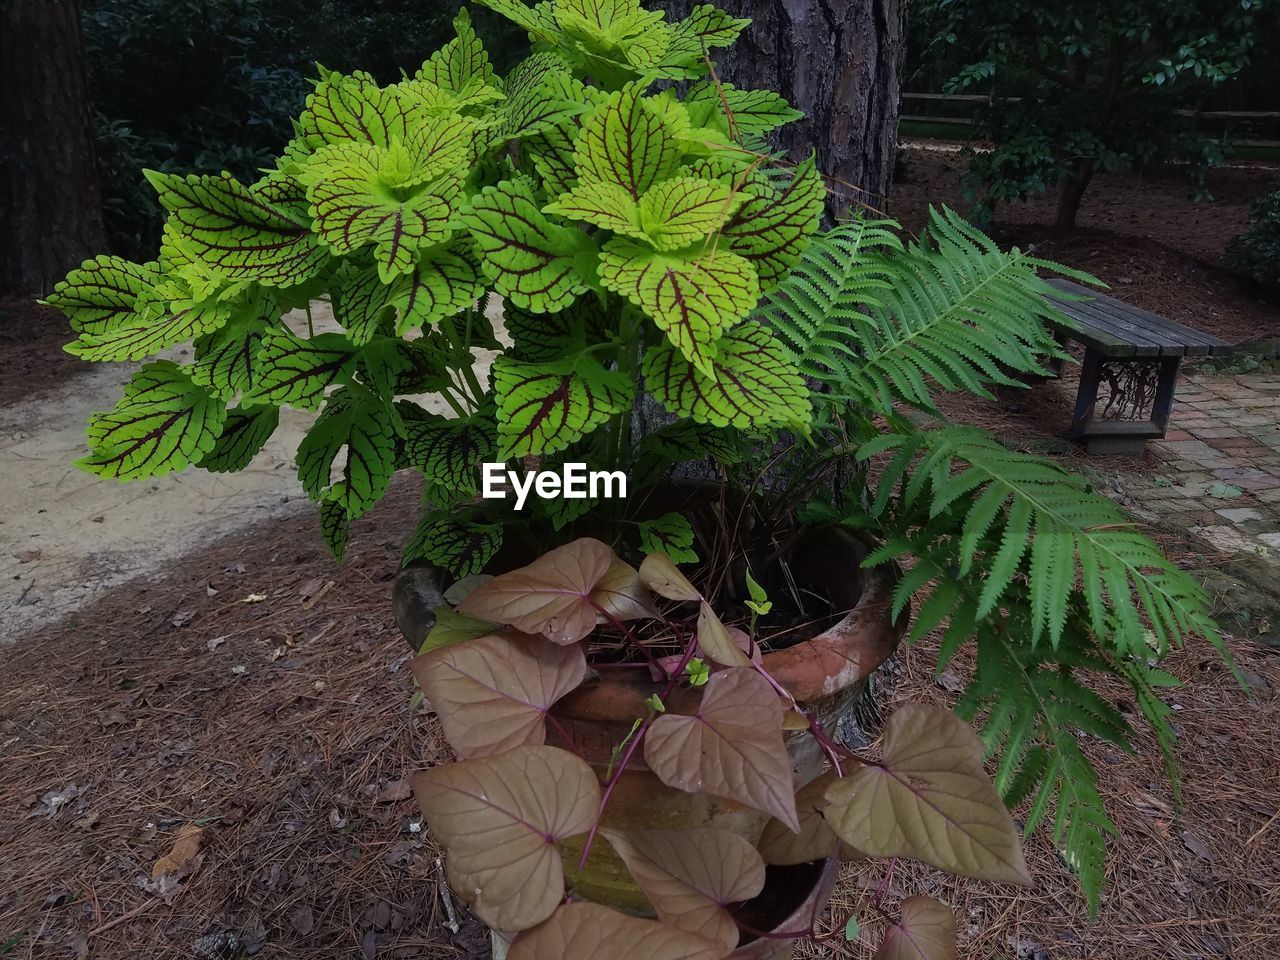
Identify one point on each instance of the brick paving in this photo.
(1220, 475)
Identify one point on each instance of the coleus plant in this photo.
(627, 230)
(513, 811)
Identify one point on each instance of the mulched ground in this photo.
(260, 692)
(31, 356)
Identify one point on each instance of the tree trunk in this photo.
(1070, 193)
(50, 200)
(837, 60)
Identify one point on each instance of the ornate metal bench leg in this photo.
(1087, 395)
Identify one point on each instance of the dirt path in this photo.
(67, 537)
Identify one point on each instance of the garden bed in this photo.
(282, 726)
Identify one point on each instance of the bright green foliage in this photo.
(162, 423)
(1051, 580)
(669, 534)
(362, 426)
(449, 452)
(294, 370)
(547, 406)
(335, 528)
(753, 383)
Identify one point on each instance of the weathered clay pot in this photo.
(825, 674)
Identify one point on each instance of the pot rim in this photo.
(842, 655)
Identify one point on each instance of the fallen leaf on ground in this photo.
(185, 847)
(1196, 845)
(395, 790)
(253, 598)
(216, 642)
(55, 800)
(183, 617)
(303, 920)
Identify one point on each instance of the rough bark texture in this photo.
(50, 201)
(837, 60)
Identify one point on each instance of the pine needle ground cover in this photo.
(316, 724)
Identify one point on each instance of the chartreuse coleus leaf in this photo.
(692, 876)
(560, 593)
(669, 534)
(926, 930)
(544, 407)
(352, 109)
(499, 820)
(542, 96)
(732, 747)
(443, 281)
(462, 68)
(365, 428)
(772, 228)
(587, 931)
(753, 112)
(550, 336)
(399, 200)
(929, 799)
(162, 423)
(461, 546)
(239, 235)
(449, 452)
(492, 693)
(245, 432)
(606, 205)
(681, 441)
(335, 528)
(106, 293)
(625, 142)
(226, 360)
(539, 265)
(130, 311)
(706, 28)
(693, 296)
(754, 384)
(296, 371)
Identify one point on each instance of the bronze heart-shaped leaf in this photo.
(662, 577)
(732, 747)
(493, 693)
(499, 818)
(587, 931)
(690, 876)
(929, 799)
(815, 840)
(927, 931)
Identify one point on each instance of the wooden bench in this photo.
(1132, 353)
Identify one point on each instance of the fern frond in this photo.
(876, 323)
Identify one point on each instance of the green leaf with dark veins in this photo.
(549, 336)
(772, 230)
(296, 371)
(366, 429)
(605, 205)
(107, 292)
(163, 423)
(352, 109)
(539, 265)
(237, 234)
(462, 547)
(544, 407)
(143, 337)
(755, 387)
(449, 452)
(682, 210)
(441, 284)
(461, 66)
(244, 433)
(226, 360)
(335, 527)
(669, 534)
(626, 143)
(692, 296)
(754, 112)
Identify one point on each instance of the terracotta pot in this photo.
(825, 674)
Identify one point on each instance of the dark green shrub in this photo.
(1256, 252)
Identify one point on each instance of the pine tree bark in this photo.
(840, 62)
(50, 198)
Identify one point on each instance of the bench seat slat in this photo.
(1153, 327)
(1157, 344)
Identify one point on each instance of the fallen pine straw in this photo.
(282, 728)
